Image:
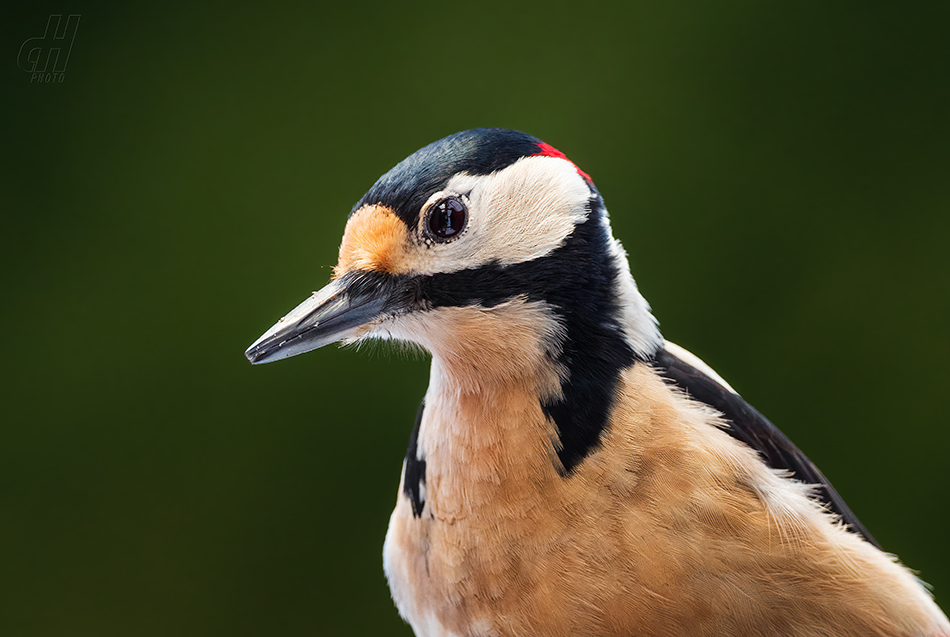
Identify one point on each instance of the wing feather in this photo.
(745, 423)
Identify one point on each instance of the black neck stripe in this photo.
(414, 478)
(579, 281)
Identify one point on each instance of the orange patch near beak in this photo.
(374, 239)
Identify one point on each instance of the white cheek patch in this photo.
(518, 214)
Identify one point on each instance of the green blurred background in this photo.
(778, 173)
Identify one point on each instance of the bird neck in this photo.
(488, 446)
(523, 376)
(560, 343)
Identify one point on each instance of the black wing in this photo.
(745, 423)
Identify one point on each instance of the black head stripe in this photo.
(479, 151)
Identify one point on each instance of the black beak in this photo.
(332, 314)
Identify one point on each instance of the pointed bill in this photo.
(329, 315)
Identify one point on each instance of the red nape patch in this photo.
(547, 150)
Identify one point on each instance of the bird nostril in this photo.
(448, 218)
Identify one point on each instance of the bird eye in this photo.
(447, 218)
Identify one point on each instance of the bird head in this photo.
(490, 249)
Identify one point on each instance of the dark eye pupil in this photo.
(448, 219)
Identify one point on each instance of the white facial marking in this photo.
(517, 214)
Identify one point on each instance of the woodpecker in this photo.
(570, 472)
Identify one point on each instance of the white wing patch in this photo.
(691, 359)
